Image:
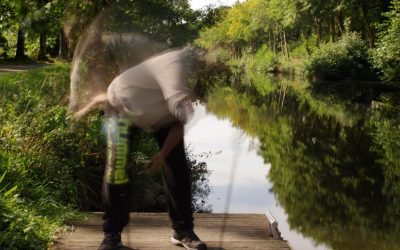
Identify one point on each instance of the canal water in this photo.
(322, 162)
(238, 175)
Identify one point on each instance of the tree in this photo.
(334, 173)
(6, 13)
(22, 12)
(46, 21)
(387, 53)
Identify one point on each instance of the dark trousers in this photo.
(116, 187)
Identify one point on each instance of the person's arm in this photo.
(175, 135)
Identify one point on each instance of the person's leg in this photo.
(116, 187)
(177, 184)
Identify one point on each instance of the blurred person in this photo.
(152, 96)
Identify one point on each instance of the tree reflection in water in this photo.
(334, 155)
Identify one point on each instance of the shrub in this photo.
(37, 189)
(218, 55)
(303, 47)
(27, 223)
(264, 60)
(345, 59)
(386, 56)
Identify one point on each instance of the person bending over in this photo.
(150, 96)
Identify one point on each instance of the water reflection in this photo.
(334, 158)
(231, 154)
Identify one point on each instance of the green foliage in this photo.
(304, 47)
(210, 75)
(37, 190)
(345, 59)
(47, 19)
(387, 53)
(3, 46)
(300, 26)
(384, 124)
(31, 224)
(336, 180)
(236, 29)
(209, 16)
(171, 21)
(200, 185)
(265, 60)
(262, 85)
(8, 45)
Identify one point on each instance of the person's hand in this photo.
(155, 164)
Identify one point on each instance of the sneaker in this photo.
(111, 241)
(188, 239)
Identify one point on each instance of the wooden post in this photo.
(273, 224)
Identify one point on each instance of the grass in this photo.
(37, 184)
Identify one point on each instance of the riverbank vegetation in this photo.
(309, 37)
(302, 36)
(39, 153)
(334, 159)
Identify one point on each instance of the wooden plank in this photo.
(211, 246)
(152, 231)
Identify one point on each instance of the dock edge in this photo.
(273, 225)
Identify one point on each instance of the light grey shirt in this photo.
(155, 92)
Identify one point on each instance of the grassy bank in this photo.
(51, 168)
(39, 152)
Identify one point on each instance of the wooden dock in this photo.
(152, 231)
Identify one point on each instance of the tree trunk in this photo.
(42, 47)
(339, 22)
(368, 30)
(20, 53)
(63, 51)
(274, 41)
(318, 30)
(281, 41)
(332, 30)
(270, 37)
(286, 45)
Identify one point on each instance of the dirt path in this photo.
(20, 68)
